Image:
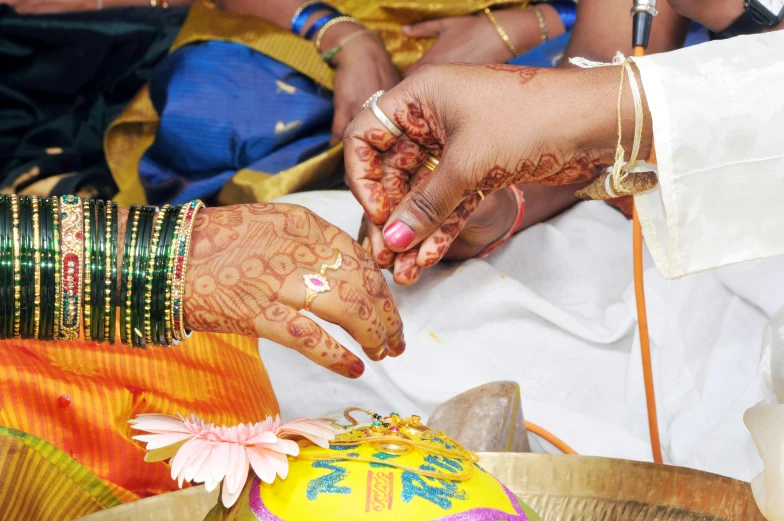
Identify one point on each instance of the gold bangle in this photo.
(156, 236)
(110, 274)
(89, 259)
(334, 21)
(72, 252)
(37, 269)
(500, 30)
(163, 3)
(300, 9)
(182, 249)
(331, 53)
(129, 282)
(17, 265)
(542, 23)
(58, 293)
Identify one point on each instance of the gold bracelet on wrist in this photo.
(331, 53)
(331, 23)
(501, 32)
(543, 30)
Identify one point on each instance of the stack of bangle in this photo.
(58, 270)
(321, 25)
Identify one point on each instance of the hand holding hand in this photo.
(246, 276)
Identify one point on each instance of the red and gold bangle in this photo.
(518, 194)
(37, 269)
(89, 259)
(72, 253)
(58, 290)
(17, 265)
(180, 249)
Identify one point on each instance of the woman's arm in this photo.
(604, 27)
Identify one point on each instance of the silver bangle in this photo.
(372, 104)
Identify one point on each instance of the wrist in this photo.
(595, 92)
(337, 33)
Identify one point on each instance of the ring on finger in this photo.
(316, 283)
(372, 104)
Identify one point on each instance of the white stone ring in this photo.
(372, 104)
(316, 283)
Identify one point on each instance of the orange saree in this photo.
(65, 443)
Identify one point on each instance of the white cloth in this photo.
(718, 121)
(553, 310)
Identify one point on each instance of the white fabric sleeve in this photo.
(718, 125)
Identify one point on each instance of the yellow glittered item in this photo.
(394, 469)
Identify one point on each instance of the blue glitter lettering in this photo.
(327, 484)
(382, 456)
(450, 465)
(437, 491)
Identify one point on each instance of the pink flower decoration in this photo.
(203, 453)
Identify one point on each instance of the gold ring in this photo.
(316, 283)
(431, 163)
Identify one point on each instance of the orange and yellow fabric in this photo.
(65, 441)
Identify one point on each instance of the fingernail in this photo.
(384, 354)
(357, 368)
(406, 28)
(401, 348)
(399, 235)
(366, 245)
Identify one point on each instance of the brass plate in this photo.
(560, 488)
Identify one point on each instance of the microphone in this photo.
(642, 13)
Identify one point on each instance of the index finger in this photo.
(365, 140)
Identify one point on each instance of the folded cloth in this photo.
(553, 309)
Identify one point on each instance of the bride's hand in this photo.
(491, 126)
(245, 276)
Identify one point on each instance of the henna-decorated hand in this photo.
(491, 126)
(245, 276)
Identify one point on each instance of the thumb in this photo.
(429, 29)
(424, 208)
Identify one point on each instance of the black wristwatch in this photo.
(757, 16)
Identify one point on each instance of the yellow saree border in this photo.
(39, 481)
(131, 134)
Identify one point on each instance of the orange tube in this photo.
(642, 323)
(549, 436)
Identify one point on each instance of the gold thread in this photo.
(17, 265)
(148, 279)
(57, 288)
(501, 32)
(37, 268)
(543, 29)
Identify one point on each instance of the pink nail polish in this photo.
(399, 235)
(357, 368)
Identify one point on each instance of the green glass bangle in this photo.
(98, 273)
(126, 282)
(88, 252)
(58, 290)
(47, 267)
(150, 275)
(26, 274)
(146, 223)
(6, 271)
(112, 227)
(159, 275)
